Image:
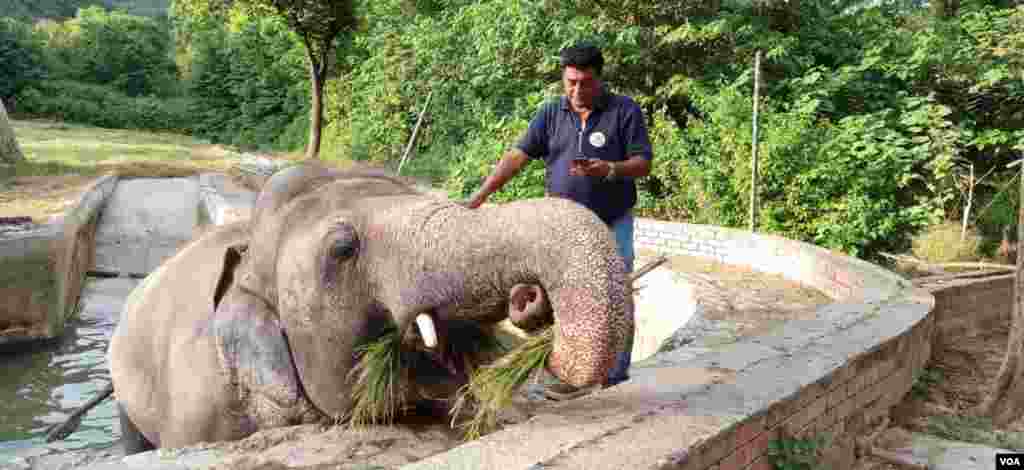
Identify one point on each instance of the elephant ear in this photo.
(232, 258)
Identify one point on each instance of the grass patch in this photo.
(62, 159)
(975, 430)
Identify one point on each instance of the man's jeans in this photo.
(623, 229)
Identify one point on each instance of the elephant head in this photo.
(339, 257)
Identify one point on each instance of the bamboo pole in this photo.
(753, 157)
(415, 130)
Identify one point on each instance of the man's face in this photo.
(581, 86)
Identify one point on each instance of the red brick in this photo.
(750, 429)
(730, 462)
(763, 463)
(760, 445)
(745, 455)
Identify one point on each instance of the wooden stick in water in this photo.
(62, 430)
(647, 268)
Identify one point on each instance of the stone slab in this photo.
(600, 429)
(144, 222)
(222, 201)
(103, 299)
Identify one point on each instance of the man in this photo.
(594, 144)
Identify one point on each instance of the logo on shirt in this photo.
(597, 139)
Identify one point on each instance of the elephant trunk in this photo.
(576, 260)
(462, 264)
(554, 243)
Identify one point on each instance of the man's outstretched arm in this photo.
(509, 166)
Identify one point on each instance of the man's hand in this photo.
(471, 203)
(590, 167)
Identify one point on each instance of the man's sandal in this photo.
(563, 392)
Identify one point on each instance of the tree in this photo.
(1005, 401)
(21, 52)
(9, 150)
(318, 23)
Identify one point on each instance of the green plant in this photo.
(974, 429)
(923, 380)
(796, 454)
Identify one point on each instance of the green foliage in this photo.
(869, 112)
(924, 380)
(974, 429)
(32, 9)
(496, 76)
(796, 454)
(104, 107)
(130, 53)
(21, 52)
(248, 84)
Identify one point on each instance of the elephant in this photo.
(255, 324)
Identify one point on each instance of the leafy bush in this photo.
(248, 85)
(129, 53)
(104, 107)
(21, 53)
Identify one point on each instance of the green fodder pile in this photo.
(385, 375)
(491, 388)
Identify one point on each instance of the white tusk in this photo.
(427, 331)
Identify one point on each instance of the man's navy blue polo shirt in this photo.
(615, 131)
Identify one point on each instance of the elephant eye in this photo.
(345, 243)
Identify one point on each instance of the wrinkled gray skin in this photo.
(254, 325)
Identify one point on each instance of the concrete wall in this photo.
(28, 287)
(43, 270)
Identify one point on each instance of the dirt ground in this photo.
(756, 301)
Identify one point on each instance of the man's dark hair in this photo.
(583, 55)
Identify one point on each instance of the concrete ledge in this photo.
(221, 201)
(76, 249)
(43, 270)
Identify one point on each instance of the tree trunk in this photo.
(945, 8)
(10, 152)
(1005, 401)
(316, 111)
